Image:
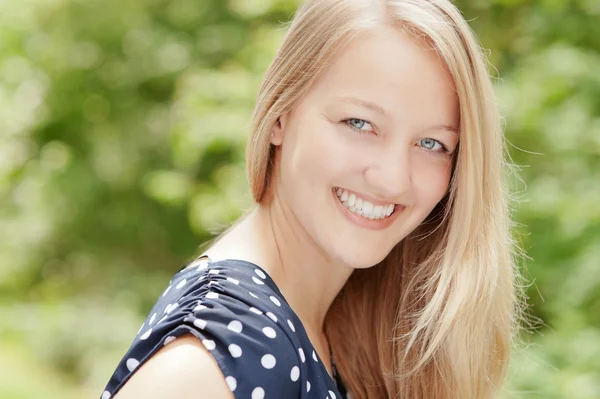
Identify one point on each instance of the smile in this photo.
(362, 207)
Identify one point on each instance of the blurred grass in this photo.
(122, 128)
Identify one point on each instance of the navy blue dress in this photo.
(235, 309)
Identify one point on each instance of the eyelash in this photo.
(444, 149)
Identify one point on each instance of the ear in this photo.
(277, 130)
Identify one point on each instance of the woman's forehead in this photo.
(388, 70)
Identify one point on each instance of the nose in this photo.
(389, 175)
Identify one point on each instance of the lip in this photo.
(371, 224)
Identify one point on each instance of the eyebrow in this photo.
(376, 108)
(449, 128)
(365, 104)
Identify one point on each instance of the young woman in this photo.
(377, 262)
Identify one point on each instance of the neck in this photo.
(272, 237)
(308, 278)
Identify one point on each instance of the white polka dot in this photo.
(160, 321)
(332, 394)
(272, 316)
(201, 324)
(132, 364)
(315, 356)
(146, 334)
(275, 300)
(212, 295)
(232, 280)
(235, 350)
(152, 318)
(260, 273)
(295, 373)
(257, 281)
(307, 386)
(167, 290)
(269, 332)
(258, 393)
(209, 344)
(252, 294)
(171, 307)
(181, 284)
(199, 307)
(169, 339)
(105, 395)
(268, 361)
(254, 310)
(214, 271)
(231, 382)
(235, 326)
(213, 283)
(302, 357)
(291, 325)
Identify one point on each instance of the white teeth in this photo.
(359, 204)
(362, 207)
(377, 211)
(389, 210)
(351, 201)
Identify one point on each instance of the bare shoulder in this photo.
(183, 369)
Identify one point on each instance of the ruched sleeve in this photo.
(239, 319)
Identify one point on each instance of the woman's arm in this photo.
(183, 369)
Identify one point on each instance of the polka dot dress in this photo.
(235, 309)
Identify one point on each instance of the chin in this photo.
(357, 259)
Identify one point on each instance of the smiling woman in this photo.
(380, 236)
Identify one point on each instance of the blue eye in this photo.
(359, 125)
(433, 145)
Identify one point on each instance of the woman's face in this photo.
(367, 154)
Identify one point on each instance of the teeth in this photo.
(359, 204)
(351, 201)
(362, 207)
(377, 211)
(389, 210)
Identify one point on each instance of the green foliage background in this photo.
(122, 128)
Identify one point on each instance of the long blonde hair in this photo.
(436, 318)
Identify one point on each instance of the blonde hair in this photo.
(435, 319)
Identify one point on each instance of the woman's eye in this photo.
(433, 145)
(359, 124)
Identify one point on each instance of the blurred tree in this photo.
(122, 131)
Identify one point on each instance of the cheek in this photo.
(431, 181)
(314, 156)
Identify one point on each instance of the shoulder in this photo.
(233, 323)
(178, 370)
